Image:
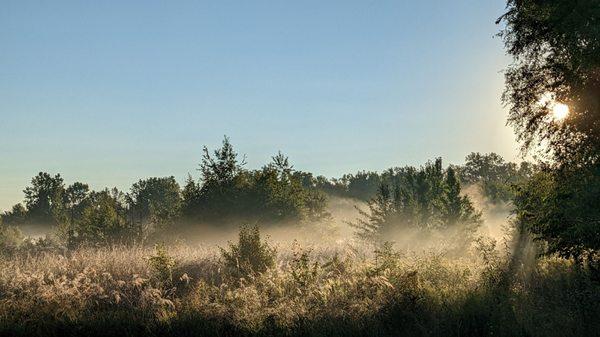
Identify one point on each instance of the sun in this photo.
(557, 111)
(560, 111)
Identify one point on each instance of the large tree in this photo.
(76, 199)
(556, 50)
(219, 196)
(279, 194)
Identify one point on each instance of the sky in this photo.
(109, 92)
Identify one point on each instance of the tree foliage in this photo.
(562, 209)
(493, 175)
(428, 198)
(490, 172)
(225, 194)
(228, 193)
(250, 255)
(43, 198)
(104, 220)
(556, 48)
(154, 202)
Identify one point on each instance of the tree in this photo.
(363, 185)
(76, 200)
(483, 167)
(454, 203)
(423, 199)
(276, 194)
(279, 196)
(556, 208)
(458, 212)
(556, 48)
(17, 216)
(44, 199)
(76, 194)
(155, 202)
(493, 175)
(223, 183)
(381, 218)
(221, 169)
(104, 220)
(191, 198)
(227, 193)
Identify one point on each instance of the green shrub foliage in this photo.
(251, 255)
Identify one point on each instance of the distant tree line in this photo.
(493, 176)
(226, 193)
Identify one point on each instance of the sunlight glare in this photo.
(560, 111)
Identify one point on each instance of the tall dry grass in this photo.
(341, 290)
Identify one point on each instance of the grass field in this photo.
(344, 289)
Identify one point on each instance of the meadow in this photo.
(256, 286)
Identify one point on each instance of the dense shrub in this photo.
(10, 239)
(162, 264)
(250, 255)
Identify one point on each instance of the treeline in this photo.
(494, 176)
(228, 194)
(225, 194)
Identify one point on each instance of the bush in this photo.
(162, 264)
(10, 239)
(303, 270)
(250, 255)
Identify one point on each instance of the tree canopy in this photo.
(427, 198)
(556, 49)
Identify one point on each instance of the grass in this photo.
(342, 290)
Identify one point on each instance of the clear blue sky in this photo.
(107, 92)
